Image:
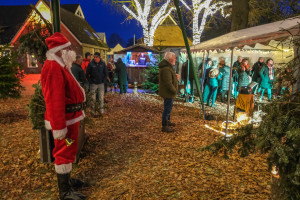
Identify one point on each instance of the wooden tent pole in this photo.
(229, 92)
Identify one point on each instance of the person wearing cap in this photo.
(96, 74)
(64, 99)
(86, 61)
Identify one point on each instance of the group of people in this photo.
(95, 76)
(217, 79)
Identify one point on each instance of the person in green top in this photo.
(267, 73)
(168, 86)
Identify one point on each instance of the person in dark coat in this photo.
(96, 74)
(235, 75)
(255, 74)
(267, 73)
(220, 67)
(78, 72)
(168, 86)
(206, 70)
(121, 71)
(225, 75)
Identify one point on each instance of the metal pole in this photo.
(176, 3)
(55, 7)
(229, 92)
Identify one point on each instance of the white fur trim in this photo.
(63, 168)
(68, 123)
(82, 90)
(51, 56)
(60, 134)
(58, 48)
(73, 121)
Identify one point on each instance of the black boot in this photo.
(65, 190)
(76, 183)
(171, 124)
(167, 129)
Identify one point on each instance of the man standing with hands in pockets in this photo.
(168, 86)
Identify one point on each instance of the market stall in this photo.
(137, 58)
(268, 40)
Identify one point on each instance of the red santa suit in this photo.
(60, 88)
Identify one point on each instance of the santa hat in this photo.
(57, 42)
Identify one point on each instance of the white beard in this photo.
(68, 56)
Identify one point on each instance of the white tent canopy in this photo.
(259, 34)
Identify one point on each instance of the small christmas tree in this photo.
(152, 76)
(10, 83)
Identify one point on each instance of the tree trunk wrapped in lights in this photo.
(207, 8)
(149, 20)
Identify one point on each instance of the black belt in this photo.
(75, 107)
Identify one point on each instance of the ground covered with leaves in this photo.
(128, 157)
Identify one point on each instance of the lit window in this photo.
(31, 61)
(88, 33)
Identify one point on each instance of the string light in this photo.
(142, 16)
(209, 10)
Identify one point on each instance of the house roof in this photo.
(137, 48)
(10, 22)
(101, 36)
(81, 28)
(250, 36)
(169, 36)
(118, 47)
(70, 7)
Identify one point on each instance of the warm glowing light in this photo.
(44, 10)
(143, 16)
(209, 10)
(227, 135)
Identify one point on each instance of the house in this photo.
(168, 35)
(73, 25)
(118, 47)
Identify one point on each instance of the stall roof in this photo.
(250, 36)
(137, 48)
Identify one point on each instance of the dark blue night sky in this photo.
(102, 17)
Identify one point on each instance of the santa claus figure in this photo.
(64, 98)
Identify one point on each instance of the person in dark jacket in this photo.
(225, 75)
(96, 74)
(255, 74)
(168, 86)
(121, 70)
(267, 73)
(206, 70)
(78, 72)
(235, 75)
